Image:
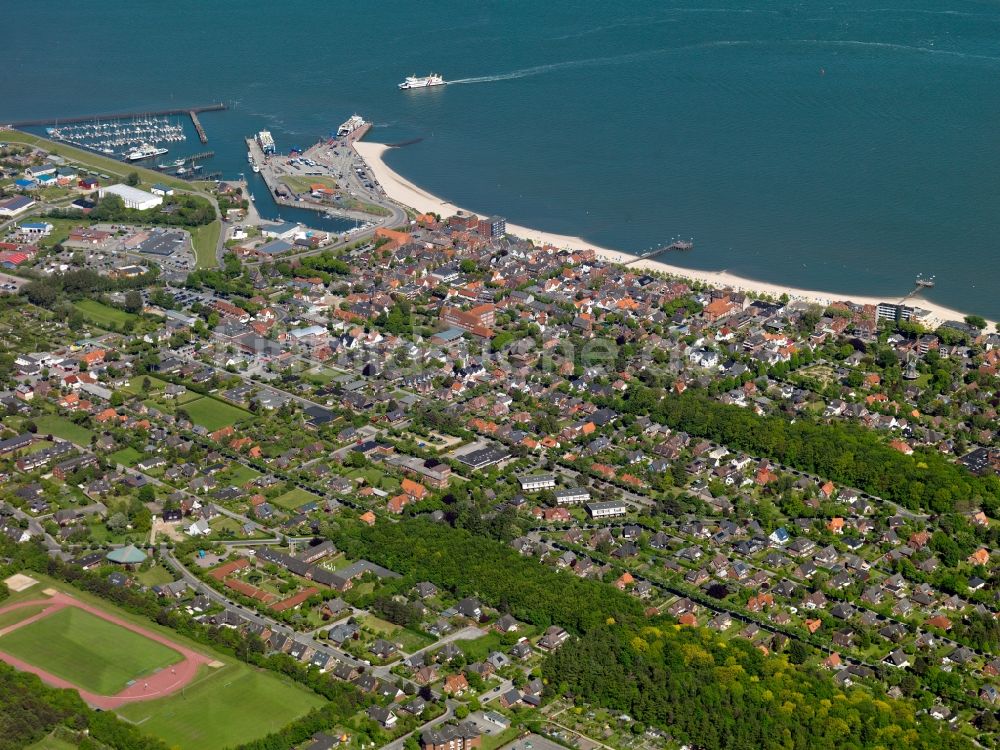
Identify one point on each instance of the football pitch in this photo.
(223, 707)
(88, 651)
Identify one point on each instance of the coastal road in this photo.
(343, 165)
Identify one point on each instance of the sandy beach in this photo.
(401, 190)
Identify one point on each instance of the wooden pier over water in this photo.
(192, 111)
(202, 135)
(678, 245)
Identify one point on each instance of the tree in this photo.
(798, 652)
(976, 321)
(117, 523)
(133, 301)
(132, 179)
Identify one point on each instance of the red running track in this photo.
(165, 682)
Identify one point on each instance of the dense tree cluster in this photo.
(29, 710)
(848, 454)
(231, 279)
(713, 693)
(720, 695)
(475, 566)
(79, 284)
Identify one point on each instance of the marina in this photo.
(129, 136)
(132, 140)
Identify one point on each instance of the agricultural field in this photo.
(102, 315)
(243, 704)
(61, 427)
(87, 650)
(213, 414)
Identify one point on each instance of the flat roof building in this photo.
(132, 197)
(607, 509)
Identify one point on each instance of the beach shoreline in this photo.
(401, 190)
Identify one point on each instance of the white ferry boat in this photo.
(421, 82)
(352, 124)
(266, 141)
(145, 151)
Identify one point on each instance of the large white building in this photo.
(572, 496)
(133, 197)
(537, 482)
(607, 509)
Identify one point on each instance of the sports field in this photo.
(15, 616)
(213, 414)
(223, 707)
(87, 650)
(212, 701)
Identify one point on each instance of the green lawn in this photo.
(135, 385)
(88, 651)
(16, 615)
(223, 708)
(376, 478)
(480, 648)
(127, 456)
(53, 743)
(51, 424)
(294, 498)
(302, 183)
(239, 475)
(102, 315)
(410, 640)
(205, 240)
(155, 576)
(213, 414)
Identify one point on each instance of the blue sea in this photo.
(842, 146)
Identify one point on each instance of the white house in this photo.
(199, 528)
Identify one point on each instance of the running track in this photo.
(168, 680)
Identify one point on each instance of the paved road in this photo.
(256, 617)
(397, 744)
